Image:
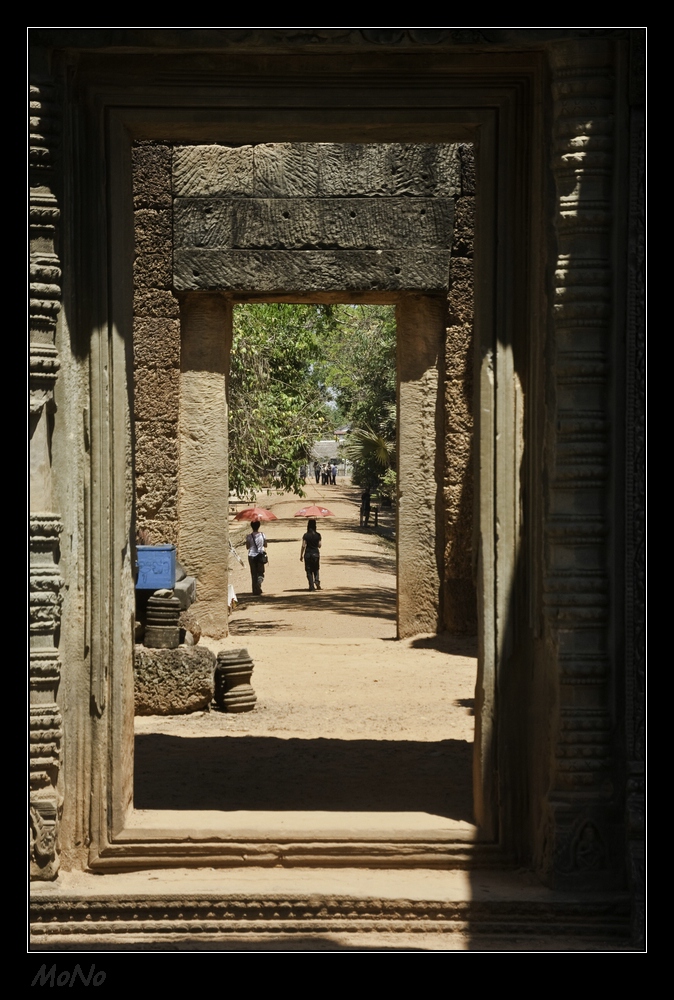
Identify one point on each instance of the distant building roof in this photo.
(324, 449)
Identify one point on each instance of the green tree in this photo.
(277, 402)
(359, 364)
(296, 372)
(360, 368)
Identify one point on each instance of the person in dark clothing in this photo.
(317, 472)
(365, 503)
(310, 553)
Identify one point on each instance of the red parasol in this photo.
(255, 514)
(314, 511)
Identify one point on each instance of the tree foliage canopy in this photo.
(297, 371)
(362, 367)
(277, 406)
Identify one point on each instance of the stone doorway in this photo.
(389, 222)
(123, 829)
(557, 119)
(417, 234)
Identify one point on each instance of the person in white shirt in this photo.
(256, 543)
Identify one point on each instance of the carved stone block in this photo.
(157, 496)
(208, 171)
(233, 690)
(311, 270)
(156, 447)
(152, 270)
(185, 591)
(173, 681)
(155, 302)
(156, 395)
(161, 629)
(156, 343)
(151, 176)
(395, 169)
(152, 230)
(343, 170)
(316, 223)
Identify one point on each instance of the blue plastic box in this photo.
(156, 567)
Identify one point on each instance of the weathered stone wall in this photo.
(156, 345)
(459, 597)
(314, 217)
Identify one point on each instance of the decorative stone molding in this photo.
(44, 368)
(44, 530)
(45, 271)
(45, 673)
(576, 595)
(44, 133)
(44, 214)
(124, 921)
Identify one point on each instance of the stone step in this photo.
(316, 910)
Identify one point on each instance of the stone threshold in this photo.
(310, 909)
(159, 838)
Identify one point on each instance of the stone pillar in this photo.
(582, 841)
(45, 525)
(420, 323)
(459, 595)
(156, 345)
(203, 486)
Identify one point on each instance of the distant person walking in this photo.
(256, 543)
(317, 472)
(333, 473)
(365, 504)
(310, 553)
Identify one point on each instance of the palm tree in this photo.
(374, 457)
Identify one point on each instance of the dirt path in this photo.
(358, 595)
(347, 718)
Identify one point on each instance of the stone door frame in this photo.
(203, 530)
(497, 107)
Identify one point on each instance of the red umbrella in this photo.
(255, 514)
(314, 511)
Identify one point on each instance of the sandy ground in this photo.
(347, 716)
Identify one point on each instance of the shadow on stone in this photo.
(365, 602)
(250, 772)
